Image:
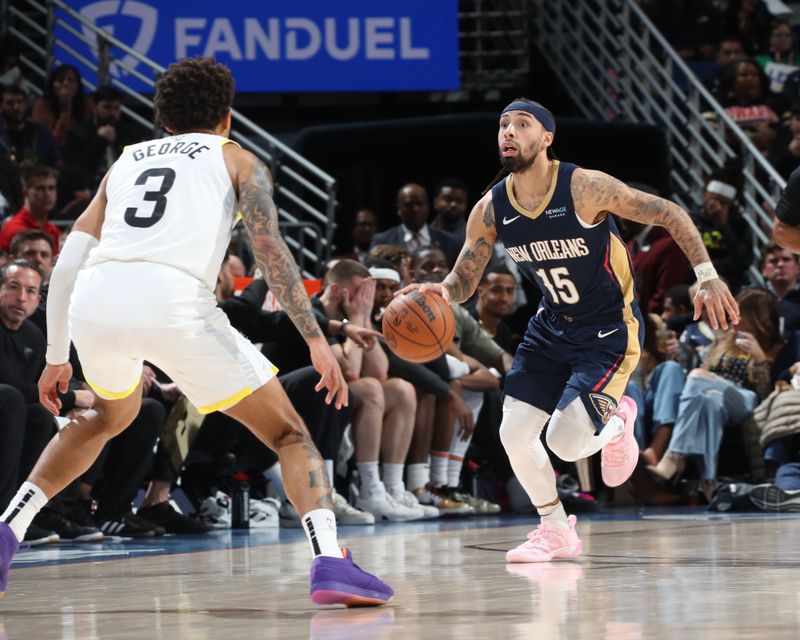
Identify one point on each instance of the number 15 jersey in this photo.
(170, 201)
(583, 271)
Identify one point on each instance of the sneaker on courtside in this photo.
(36, 536)
(8, 547)
(408, 499)
(438, 497)
(384, 507)
(346, 513)
(546, 543)
(342, 581)
(619, 457)
(482, 507)
(770, 497)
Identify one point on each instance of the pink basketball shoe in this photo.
(546, 543)
(619, 457)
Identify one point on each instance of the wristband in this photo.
(341, 331)
(705, 271)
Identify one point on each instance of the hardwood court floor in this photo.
(659, 575)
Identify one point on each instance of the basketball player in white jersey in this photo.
(135, 282)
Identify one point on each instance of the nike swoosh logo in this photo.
(605, 334)
(507, 221)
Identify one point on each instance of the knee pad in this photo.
(521, 427)
(570, 431)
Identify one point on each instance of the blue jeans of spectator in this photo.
(659, 401)
(705, 408)
(782, 450)
(788, 476)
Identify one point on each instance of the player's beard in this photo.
(520, 163)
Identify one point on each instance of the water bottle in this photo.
(240, 509)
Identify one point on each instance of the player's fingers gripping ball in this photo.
(418, 326)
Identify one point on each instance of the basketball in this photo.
(419, 326)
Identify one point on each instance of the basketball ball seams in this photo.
(411, 340)
(424, 321)
(444, 307)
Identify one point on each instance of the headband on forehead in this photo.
(380, 273)
(721, 189)
(538, 112)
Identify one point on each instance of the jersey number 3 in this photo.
(559, 286)
(159, 197)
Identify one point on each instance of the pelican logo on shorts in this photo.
(116, 20)
(604, 405)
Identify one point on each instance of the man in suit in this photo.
(414, 232)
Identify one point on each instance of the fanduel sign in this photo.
(316, 45)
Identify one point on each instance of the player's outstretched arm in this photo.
(260, 217)
(596, 193)
(462, 281)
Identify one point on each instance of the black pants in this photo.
(220, 433)
(126, 460)
(25, 430)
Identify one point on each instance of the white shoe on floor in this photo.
(384, 507)
(408, 499)
(347, 514)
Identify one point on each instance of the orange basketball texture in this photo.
(418, 326)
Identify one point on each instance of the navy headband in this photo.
(538, 112)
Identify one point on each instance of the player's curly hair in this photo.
(194, 93)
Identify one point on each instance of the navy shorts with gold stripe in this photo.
(560, 359)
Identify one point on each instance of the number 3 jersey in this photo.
(584, 271)
(170, 201)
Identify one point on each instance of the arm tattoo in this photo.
(477, 251)
(593, 191)
(260, 216)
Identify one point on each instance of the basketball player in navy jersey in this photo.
(584, 341)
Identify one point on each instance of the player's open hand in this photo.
(54, 379)
(719, 303)
(330, 372)
(361, 336)
(435, 287)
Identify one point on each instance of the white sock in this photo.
(329, 467)
(273, 474)
(418, 475)
(439, 460)
(320, 527)
(458, 449)
(393, 477)
(370, 478)
(22, 509)
(554, 515)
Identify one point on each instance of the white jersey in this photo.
(171, 202)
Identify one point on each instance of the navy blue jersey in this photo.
(584, 271)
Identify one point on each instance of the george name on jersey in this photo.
(181, 147)
(544, 250)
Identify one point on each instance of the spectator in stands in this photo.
(364, 228)
(784, 152)
(450, 200)
(24, 142)
(495, 302)
(781, 273)
(10, 72)
(414, 231)
(40, 189)
(93, 145)
(383, 407)
(782, 57)
(739, 371)
(658, 262)
(678, 309)
(36, 247)
(397, 254)
(64, 104)
(27, 426)
(744, 93)
(726, 235)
